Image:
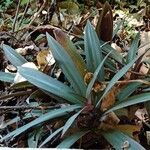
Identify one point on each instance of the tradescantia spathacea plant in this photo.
(90, 100)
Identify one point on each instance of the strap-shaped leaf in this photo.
(116, 77)
(119, 24)
(68, 66)
(70, 121)
(68, 142)
(106, 48)
(6, 77)
(118, 140)
(127, 91)
(140, 98)
(70, 48)
(51, 136)
(90, 86)
(47, 116)
(51, 85)
(15, 58)
(93, 50)
(132, 53)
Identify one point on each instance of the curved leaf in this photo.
(117, 140)
(51, 85)
(116, 77)
(15, 58)
(134, 48)
(68, 66)
(131, 101)
(7, 77)
(45, 117)
(51, 136)
(127, 91)
(93, 50)
(70, 121)
(89, 88)
(68, 142)
(70, 48)
(115, 55)
(119, 24)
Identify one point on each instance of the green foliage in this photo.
(6, 77)
(78, 93)
(120, 141)
(5, 4)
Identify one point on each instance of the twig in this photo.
(35, 15)
(22, 93)
(28, 107)
(16, 16)
(25, 11)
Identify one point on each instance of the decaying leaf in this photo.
(109, 99)
(44, 58)
(109, 121)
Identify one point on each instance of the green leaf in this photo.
(45, 117)
(34, 137)
(51, 85)
(72, 51)
(51, 136)
(7, 77)
(15, 58)
(68, 142)
(117, 139)
(119, 24)
(144, 97)
(134, 48)
(20, 85)
(68, 66)
(116, 77)
(70, 121)
(106, 48)
(93, 50)
(127, 90)
(147, 105)
(90, 86)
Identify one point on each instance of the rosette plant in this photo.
(89, 101)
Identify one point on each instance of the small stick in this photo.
(34, 17)
(27, 107)
(16, 16)
(25, 11)
(22, 93)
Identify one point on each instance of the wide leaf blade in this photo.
(93, 50)
(45, 117)
(51, 85)
(68, 142)
(133, 49)
(51, 136)
(15, 58)
(127, 90)
(7, 77)
(95, 75)
(68, 66)
(70, 48)
(117, 139)
(116, 77)
(106, 48)
(70, 121)
(144, 97)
